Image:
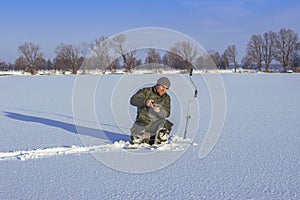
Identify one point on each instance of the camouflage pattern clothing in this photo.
(148, 123)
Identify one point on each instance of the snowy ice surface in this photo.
(175, 144)
(43, 157)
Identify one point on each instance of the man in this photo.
(153, 107)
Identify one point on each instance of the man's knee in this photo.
(139, 134)
(168, 125)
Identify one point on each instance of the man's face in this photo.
(161, 89)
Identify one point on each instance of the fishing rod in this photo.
(188, 116)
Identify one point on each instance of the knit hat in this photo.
(164, 81)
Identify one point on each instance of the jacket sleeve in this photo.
(139, 98)
(165, 108)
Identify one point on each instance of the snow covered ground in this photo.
(43, 157)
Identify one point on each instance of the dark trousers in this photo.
(139, 129)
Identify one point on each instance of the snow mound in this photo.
(175, 144)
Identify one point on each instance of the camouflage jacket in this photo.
(145, 114)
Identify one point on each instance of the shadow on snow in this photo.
(102, 134)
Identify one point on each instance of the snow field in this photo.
(256, 156)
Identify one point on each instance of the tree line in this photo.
(282, 47)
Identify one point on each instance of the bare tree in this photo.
(286, 47)
(153, 56)
(118, 44)
(85, 49)
(68, 56)
(225, 61)
(215, 56)
(49, 65)
(255, 50)
(206, 62)
(114, 65)
(128, 55)
(296, 59)
(165, 60)
(100, 49)
(268, 48)
(246, 63)
(20, 63)
(3, 66)
(231, 54)
(173, 60)
(186, 51)
(131, 60)
(31, 57)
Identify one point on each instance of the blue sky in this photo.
(215, 24)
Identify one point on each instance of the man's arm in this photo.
(164, 109)
(139, 98)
